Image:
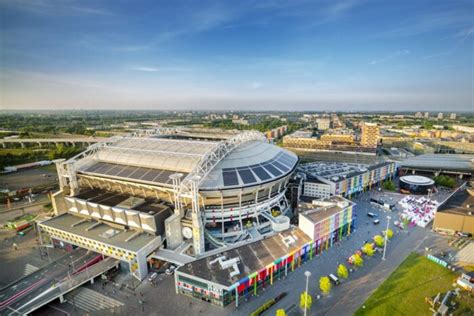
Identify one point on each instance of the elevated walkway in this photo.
(45, 287)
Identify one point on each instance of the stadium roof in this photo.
(242, 160)
(449, 162)
(252, 163)
(156, 153)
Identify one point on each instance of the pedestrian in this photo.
(15, 246)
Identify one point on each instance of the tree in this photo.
(379, 240)
(389, 233)
(445, 181)
(368, 249)
(280, 312)
(325, 284)
(342, 271)
(306, 300)
(358, 261)
(389, 186)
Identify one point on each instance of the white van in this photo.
(334, 279)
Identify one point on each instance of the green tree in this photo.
(306, 300)
(342, 271)
(389, 186)
(280, 312)
(368, 249)
(389, 233)
(325, 284)
(379, 240)
(445, 181)
(358, 261)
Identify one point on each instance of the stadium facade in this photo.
(172, 195)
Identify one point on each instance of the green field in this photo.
(404, 292)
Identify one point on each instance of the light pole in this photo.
(386, 237)
(307, 274)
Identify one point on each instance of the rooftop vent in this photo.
(226, 264)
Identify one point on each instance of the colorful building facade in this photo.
(204, 281)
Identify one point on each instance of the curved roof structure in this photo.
(242, 160)
(417, 180)
(251, 163)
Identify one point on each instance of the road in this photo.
(41, 282)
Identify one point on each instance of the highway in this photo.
(49, 282)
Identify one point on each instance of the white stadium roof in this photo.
(156, 153)
(252, 163)
(242, 160)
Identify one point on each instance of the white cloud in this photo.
(146, 69)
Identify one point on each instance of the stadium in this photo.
(171, 194)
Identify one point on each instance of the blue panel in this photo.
(261, 173)
(247, 176)
(272, 170)
(230, 178)
(280, 166)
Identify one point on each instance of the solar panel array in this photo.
(130, 172)
(273, 168)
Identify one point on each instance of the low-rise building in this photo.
(346, 179)
(456, 213)
(303, 142)
(338, 138)
(316, 188)
(326, 221)
(235, 274)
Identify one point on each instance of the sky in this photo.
(347, 55)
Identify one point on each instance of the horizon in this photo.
(343, 56)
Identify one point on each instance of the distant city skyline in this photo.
(341, 55)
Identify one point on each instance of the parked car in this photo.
(334, 279)
(370, 214)
(170, 270)
(376, 222)
(152, 277)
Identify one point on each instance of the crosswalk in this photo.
(29, 269)
(91, 301)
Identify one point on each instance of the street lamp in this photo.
(307, 274)
(386, 237)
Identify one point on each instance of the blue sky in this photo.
(260, 55)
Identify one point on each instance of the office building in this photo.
(323, 123)
(344, 179)
(370, 134)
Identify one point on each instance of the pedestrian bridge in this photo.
(53, 281)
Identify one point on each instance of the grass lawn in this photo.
(404, 292)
